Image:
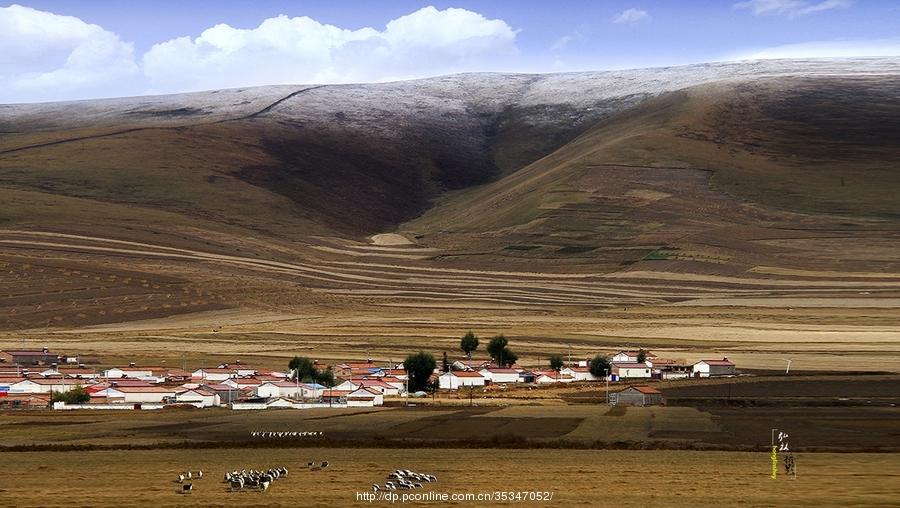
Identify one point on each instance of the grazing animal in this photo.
(180, 478)
(187, 488)
(375, 487)
(324, 464)
(199, 475)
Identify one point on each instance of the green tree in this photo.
(419, 367)
(508, 358)
(556, 362)
(642, 356)
(496, 346)
(325, 377)
(77, 395)
(469, 343)
(303, 369)
(445, 363)
(599, 366)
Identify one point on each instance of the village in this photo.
(41, 378)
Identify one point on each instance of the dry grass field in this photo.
(576, 477)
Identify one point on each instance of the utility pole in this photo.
(606, 375)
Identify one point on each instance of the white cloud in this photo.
(45, 56)
(302, 50)
(631, 16)
(791, 8)
(564, 41)
(826, 49)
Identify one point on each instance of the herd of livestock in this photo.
(259, 480)
(404, 479)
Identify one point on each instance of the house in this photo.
(638, 396)
(311, 390)
(227, 394)
(287, 389)
(470, 365)
(364, 397)
(149, 374)
(498, 375)
(631, 357)
(552, 376)
(395, 373)
(711, 368)
(41, 385)
(26, 357)
(71, 373)
(526, 376)
(198, 397)
(453, 380)
(350, 369)
(106, 395)
(240, 369)
(214, 374)
(396, 382)
(145, 394)
(630, 370)
(24, 400)
(336, 396)
(380, 387)
(579, 373)
(241, 383)
(347, 386)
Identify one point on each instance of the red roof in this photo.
(143, 389)
(465, 373)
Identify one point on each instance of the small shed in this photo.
(639, 396)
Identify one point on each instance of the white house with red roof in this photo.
(214, 374)
(150, 374)
(455, 379)
(379, 386)
(364, 397)
(711, 368)
(199, 397)
(579, 373)
(551, 376)
(496, 375)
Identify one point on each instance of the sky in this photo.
(66, 50)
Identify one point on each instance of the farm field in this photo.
(576, 477)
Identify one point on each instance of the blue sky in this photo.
(57, 50)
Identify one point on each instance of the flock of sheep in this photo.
(405, 479)
(253, 479)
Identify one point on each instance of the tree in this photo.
(508, 358)
(642, 356)
(599, 366)
(556, 362)
(419, 367)
(445, 363)
(469, 343)
(304, 370)
(77, 395)
(496, 346)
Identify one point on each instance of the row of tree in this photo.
(498, 348)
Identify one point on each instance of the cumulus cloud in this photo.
(791, 8)
(826, 49)
(631, 16)
(47, 56)
(302, 50)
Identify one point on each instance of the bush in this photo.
(77, 395)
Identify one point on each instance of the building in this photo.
(71, 373)
(28, 357)
(631, 356)
(149, 374)
(380, 387)
(350, 369)
(453, 380)
(638, 396)
(145, 394)
(198, 397)
(711, 368)
(214, 374)
(630, 371)
(497, 375)
(335, 396)
(551, 376)
(287, 389)
(579, 373)
(227, 394)
(42, 385)
(364, 397)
